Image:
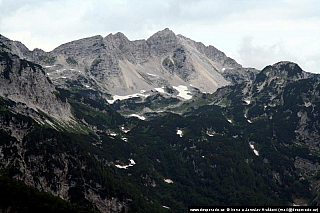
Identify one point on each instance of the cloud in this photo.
(261, 56)
(46, 23)
(257, 56)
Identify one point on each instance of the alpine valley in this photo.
(157, 125)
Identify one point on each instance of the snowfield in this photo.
(183, 92)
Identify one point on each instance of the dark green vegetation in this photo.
(15, 196)
(50, 152)
(48, 60)
(153, 102)
(71, 61)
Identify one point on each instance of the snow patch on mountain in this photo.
(247, 101)
(154, 75)
(183, 92)
(161, 90)
(168, 180)
(132, 163)
(253, 149)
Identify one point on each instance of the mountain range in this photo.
(119, 66)
(156, 125)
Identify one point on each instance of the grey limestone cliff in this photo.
(26, 84)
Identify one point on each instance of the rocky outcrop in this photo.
(285, 70)
(25, 83)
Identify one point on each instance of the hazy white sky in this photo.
(255, 33)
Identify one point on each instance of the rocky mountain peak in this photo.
(283, 70)
(163, 41)
(290, 67)
(163, 34)
(116, 41)
(116, 36)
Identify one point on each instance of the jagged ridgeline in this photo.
(254, 141)
(116, 65)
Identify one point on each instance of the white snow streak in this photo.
(152, 74)
(168, 180)
(254, 150)
(132, 163)
(138, 116)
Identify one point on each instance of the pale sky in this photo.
(256, 33)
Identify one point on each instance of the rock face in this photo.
(118, 66)
(26, 84)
